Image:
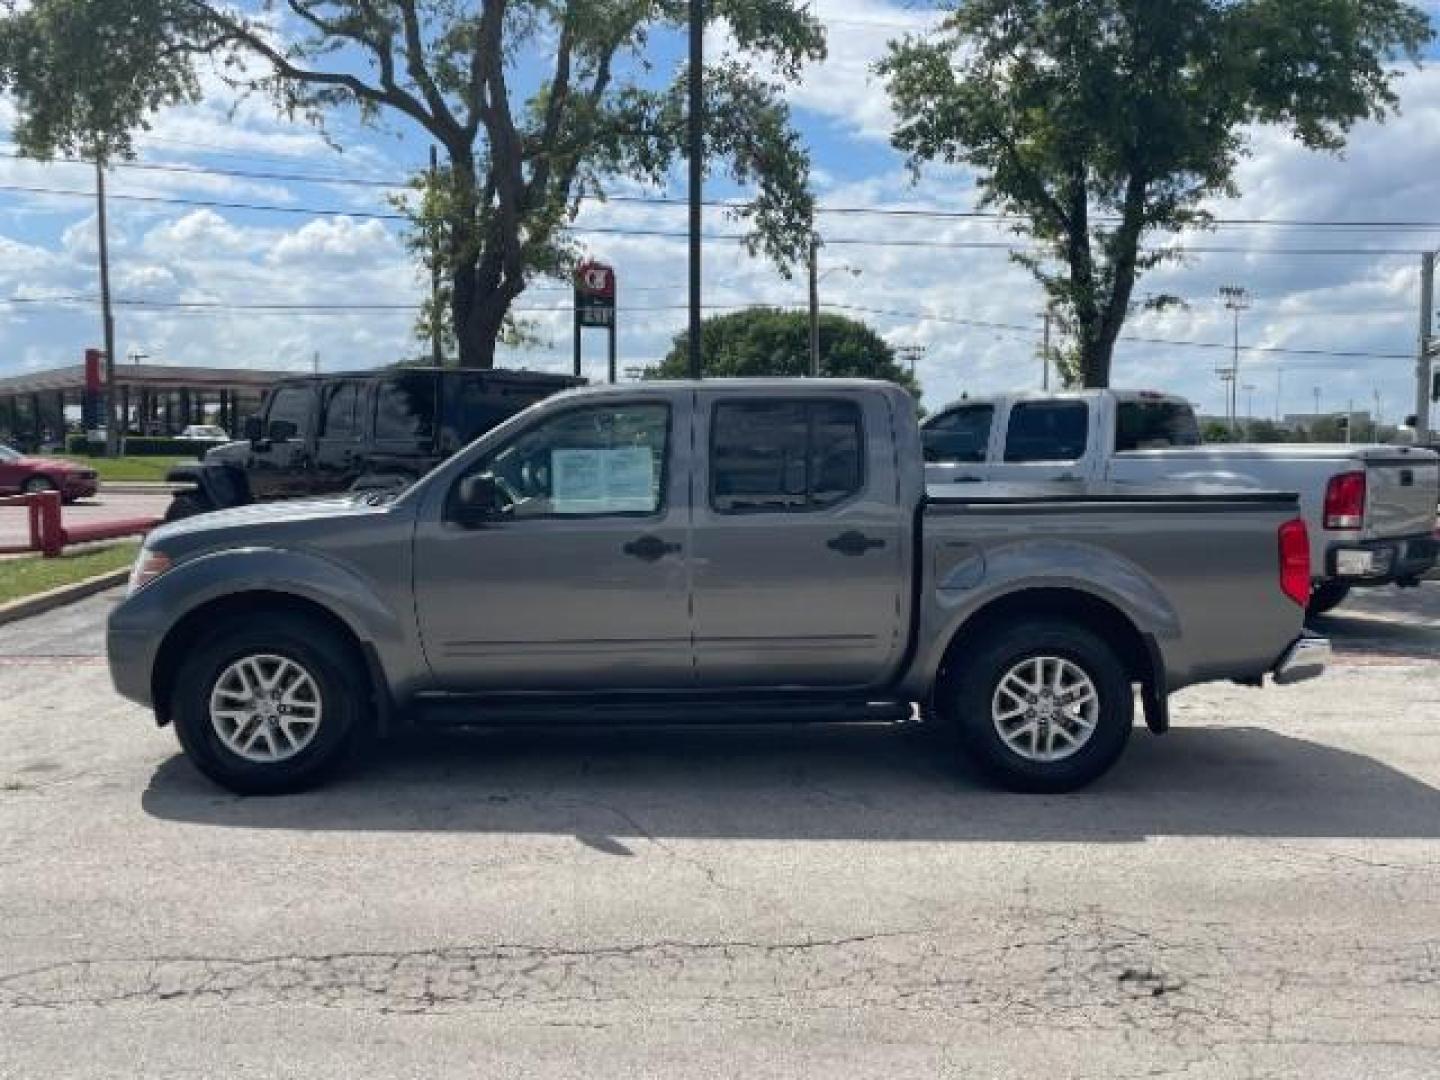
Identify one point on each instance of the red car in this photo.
(20, 474)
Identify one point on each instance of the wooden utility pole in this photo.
(1427, 347)
(437, 326)
(112, 424)
(696, 144)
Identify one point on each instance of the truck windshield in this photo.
(1155, 425)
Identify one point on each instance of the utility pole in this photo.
(814, 306)
(1428, 349)
(696, 138)
(1236, 301)
(1045, 353)
(112, 422)
(1349, 420)
(315, 362)
(437, 352)
(1249, 409)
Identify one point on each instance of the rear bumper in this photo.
(1375, 562)
(1307, 658)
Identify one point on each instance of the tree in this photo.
(1099, 123)
(534, 104)
(765, 341)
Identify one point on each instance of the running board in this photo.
(457, 710)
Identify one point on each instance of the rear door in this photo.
(1045, 440)
(337, 440)
(796, 550)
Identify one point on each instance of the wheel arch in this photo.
(1137, 650)
(201, 620)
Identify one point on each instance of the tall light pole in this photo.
(815, 278)
(696, 138)
(1279, 391)
(1237, 299)
(1429, 347)
(1249, 408)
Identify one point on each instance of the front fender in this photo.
(979, 579)
(138, 627)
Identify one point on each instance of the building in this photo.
(152, 399)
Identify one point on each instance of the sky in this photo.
(976, 315)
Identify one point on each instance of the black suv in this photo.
(322, 435)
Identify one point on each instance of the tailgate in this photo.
(1401, 491)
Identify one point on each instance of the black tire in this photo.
(1327, 596)
(966, 702)
(345, 712)
(187, 504)
(36, 484)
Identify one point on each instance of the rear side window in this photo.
(292, 403)
(775, 456)
(405, 407)
(342, 412)
(1047, 431)
(1154, 425)
(473, 407)
(959, 435)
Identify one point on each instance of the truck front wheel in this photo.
(271, 706)
(186, 504)
(1041, 705)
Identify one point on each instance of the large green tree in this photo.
(764, 341)
(535, 104)
(1100, 123)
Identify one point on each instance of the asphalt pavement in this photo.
(1257, 894)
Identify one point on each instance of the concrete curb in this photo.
(40, 603)
(140, 486)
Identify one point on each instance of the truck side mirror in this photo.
(253, 429)
(283, 430)
(477, 499)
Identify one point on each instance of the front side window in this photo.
(405, 407)
(603, 460)
(1047, 431)
(292, 404)
(1155, 425)
(784, 455)
(961, 434)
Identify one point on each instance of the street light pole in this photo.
(1236, 300)
(814, 306)
(1045, 353)
(1427, 346)
(696, 138)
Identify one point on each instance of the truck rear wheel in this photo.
(271, 707)
(1041, 705)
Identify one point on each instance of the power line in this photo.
(722, 204)
(982, 324)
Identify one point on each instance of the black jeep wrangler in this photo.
(323, 435)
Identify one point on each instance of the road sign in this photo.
(595, 305)
(595, 294)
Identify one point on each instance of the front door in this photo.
(577, 580)
(797, 557)
(282, 469)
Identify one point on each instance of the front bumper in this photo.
(130, 646)
(1305, 659)
(1375, 562)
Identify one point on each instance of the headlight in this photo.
(149, 565)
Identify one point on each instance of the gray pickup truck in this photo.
(717, 551)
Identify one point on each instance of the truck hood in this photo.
(267, 523)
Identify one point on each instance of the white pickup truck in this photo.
(1370, 509)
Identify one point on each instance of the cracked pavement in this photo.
(1255, 895)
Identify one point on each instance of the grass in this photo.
(29, 574)
(130, 468)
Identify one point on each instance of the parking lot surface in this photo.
(1256, 894)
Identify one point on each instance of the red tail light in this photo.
(1345, 501)
(1295, 561)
